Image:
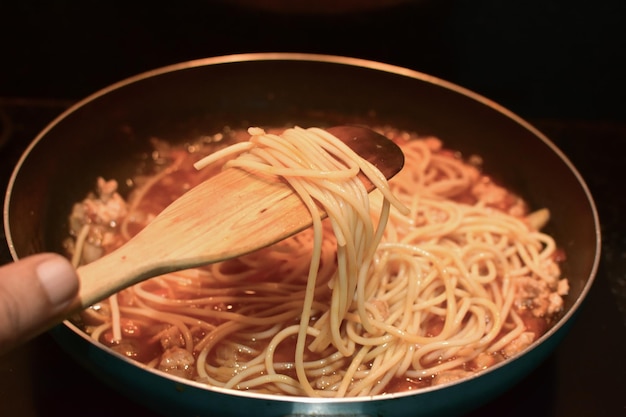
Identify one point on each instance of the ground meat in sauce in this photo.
(105, 209)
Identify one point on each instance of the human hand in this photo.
(33, 291)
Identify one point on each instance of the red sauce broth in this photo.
(139, 341)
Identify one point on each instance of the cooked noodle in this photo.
(425, 280)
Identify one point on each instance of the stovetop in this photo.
(586, 375)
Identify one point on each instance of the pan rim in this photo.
(333, 60)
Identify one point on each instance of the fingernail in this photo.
(58, 280)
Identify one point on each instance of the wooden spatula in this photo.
(231, 214)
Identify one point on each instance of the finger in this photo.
(32, 291)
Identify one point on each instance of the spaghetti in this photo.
(434, 276)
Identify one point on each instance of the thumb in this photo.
(32, 291)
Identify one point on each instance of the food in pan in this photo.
(434, 277)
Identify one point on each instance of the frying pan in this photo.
(106, 133)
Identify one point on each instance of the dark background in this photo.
(539, 58)
(557, 63)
